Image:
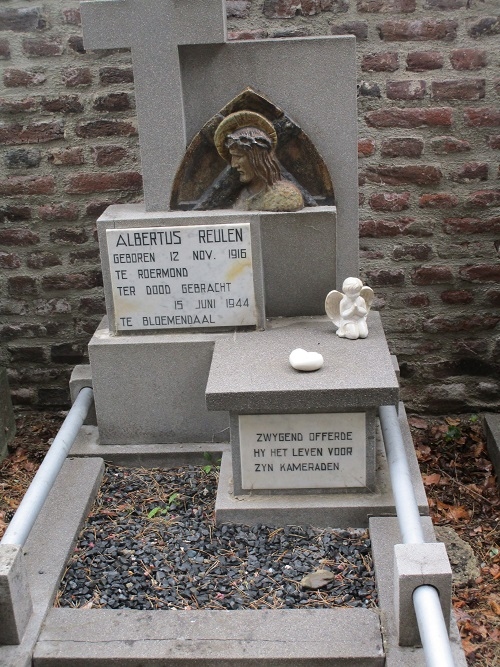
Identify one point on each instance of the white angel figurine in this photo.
(348, 311)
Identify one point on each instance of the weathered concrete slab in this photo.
(384, 534)
(492, 429)
(150, 388)
(338, 511)
(15, 598)
(274, 638)
(7, 421)
(145, 456)
(251, 374)
(49, 545)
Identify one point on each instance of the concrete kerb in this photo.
(491, 425)
(49, 546)
(15, 598)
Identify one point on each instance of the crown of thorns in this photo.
(225, 133)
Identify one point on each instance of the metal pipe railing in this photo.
(431, 624)
(19, 528)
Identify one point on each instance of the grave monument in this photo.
(249, 221)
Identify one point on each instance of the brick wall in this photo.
(429, 153)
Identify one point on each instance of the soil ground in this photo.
(463, 496)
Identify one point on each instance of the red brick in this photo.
(438, 200)
(62, 104)
(58, 212)
(42, 47)
(66, 157)
(446, 145)
(35, 133)
(357, 28)
(71, 16)
(386, 6)
(385, 277)
(458, 89)
(380, 62)
(442, 324)
(105, 156)
(368, 89)
(43, 260)
(394, 227)
(112, 102)
(405, 90)
(402, 147)
(22, 286)
(4, 49)
(445, 4)
(75, 43)
(470, 171)
(27, 185)
(22, 78)
(390, 201)
(422, 61)
(468, 59)
(418, 30)
(404, 175)
(493, 297)
(242, 35)
(494, 141)
(69, 235)
(484, 117)
(85, 183)
(366, 147)
(291, 32)
(238, 9)
(22, 19)
(105, 128)
(471, 225)
(77, 76)
(431, 275)
(66, 281)
(9, 260)
(110, 75)
(485, 273)
(485, 27)
(410, 118)
(286, 9)
(96, 208)
(484, 198)
(418, 300)
(52, 306)
(14, 213)
(457, 297)
(15, 106)
(416, 251)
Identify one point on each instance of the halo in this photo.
(237, 120)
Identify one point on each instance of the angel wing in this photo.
(332, 306)
(367, 294)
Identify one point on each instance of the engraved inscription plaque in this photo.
(303, 451)
(182, 277)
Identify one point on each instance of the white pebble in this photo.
(305, 361)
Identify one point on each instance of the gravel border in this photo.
(150, 542)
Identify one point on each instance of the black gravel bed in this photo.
(150, 542)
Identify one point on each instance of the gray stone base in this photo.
(492, 430)
(339, 510)
(7, 421)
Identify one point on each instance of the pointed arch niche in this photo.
(205, 181)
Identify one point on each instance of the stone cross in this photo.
(154, 29)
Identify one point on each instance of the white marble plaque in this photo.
(182, 277)
(309, 451)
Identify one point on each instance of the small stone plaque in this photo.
(303, 451)
(182, 277)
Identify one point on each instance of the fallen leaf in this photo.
(417, 422)
(434, 478)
